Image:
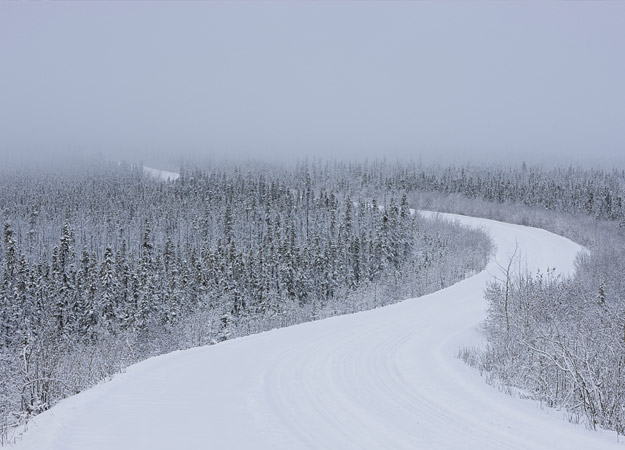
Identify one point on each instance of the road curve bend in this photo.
(382, 379)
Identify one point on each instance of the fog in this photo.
(171, 81)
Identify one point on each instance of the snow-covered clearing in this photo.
(382, 379)
(161, 174)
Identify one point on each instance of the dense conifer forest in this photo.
(103, 265)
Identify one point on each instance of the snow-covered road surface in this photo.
(382, 379)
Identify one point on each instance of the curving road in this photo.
(382, 379)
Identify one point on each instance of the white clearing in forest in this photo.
(382, 379)
(161, 174)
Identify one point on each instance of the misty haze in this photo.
(294, 225)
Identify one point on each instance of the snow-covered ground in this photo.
(161, 174)
(382, 379)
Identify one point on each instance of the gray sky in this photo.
(452, 80)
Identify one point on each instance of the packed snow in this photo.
(382, 379)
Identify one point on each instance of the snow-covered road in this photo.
(382, 379)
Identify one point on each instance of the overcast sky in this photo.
(453, 80)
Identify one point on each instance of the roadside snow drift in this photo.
(382, 379)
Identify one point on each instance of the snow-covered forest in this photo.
(294, 225)
(560, 341)
(103, 265)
